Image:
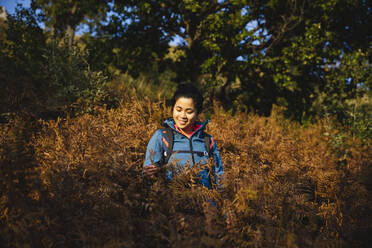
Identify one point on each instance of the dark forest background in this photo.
(311, 58)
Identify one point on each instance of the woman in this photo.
(189, 139)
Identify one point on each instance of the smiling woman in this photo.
(190, 145)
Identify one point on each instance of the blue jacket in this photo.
(186, 152)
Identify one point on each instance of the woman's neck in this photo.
(186, 131)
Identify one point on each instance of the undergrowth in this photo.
(77, 182)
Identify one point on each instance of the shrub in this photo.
(284, 185)
(291, 186)
(74, 85)
(42, 76)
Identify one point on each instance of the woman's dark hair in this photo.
(189, 91)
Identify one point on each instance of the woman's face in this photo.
(184, 113)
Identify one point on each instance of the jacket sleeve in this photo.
(154, 151)
(218, 166)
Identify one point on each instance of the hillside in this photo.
(77, 182)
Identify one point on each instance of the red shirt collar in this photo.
(195, 127)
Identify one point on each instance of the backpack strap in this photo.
(209, 142)
(168, 141)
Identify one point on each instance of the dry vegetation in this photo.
(76, 182)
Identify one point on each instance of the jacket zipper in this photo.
(192, 153)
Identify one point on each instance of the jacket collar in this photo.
(200, 125)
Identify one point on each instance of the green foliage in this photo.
(41, 76)
(346, 95)
(21, 77)
(245, 54)
(74, 84)
(359, 117)
(144, 86)
(64, 16)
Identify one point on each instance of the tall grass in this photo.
(79, 184)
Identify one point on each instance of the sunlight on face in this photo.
(184, 113)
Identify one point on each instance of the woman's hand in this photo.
(150, 170)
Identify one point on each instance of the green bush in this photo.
(40, 75)
(22, 81)
(75, 86)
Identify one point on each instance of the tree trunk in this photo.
(70, 33)
(70, 30)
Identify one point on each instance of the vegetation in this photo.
(287, 87)
(311, 59)
(78, 183)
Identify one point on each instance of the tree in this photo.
(281, 52)
(21, 48)
(245, 53)
(64, 16)
(303, 61)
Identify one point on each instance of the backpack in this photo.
(169, 144)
